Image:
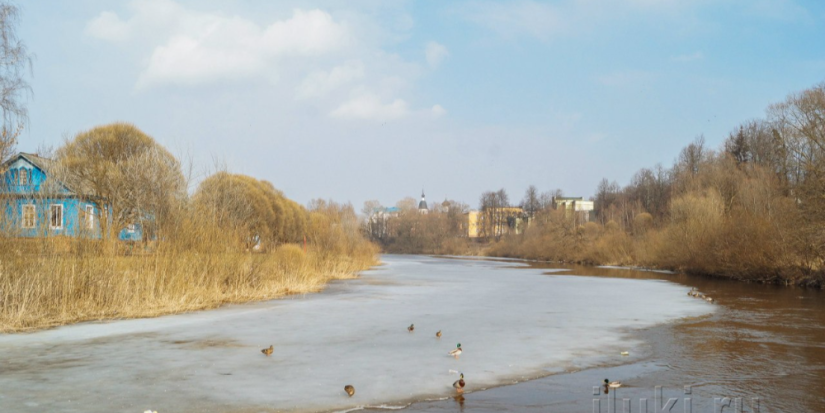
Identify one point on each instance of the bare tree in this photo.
(692, 155)
(129, 176)
(531, 203)
(737, 146)
(14, 63)
(493, 216)
(546, 199)
(799, 132)
(606, 198)
(374, 219)
(407, 204)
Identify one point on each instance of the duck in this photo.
(457, 352)
(411, 328)
(612, 384)
(349, 389)
(459, 384)
(438, 334)
(709, 299)
(268, 351)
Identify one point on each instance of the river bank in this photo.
(507, 251)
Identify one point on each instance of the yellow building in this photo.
(472, 224)
(494, 222)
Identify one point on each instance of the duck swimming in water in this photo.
(349, 389)
(411, 328)
(612, 384)
(438, 334)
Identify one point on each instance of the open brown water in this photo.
(765, 342)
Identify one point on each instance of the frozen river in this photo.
(514, 323)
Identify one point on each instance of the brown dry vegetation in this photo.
(752, 211)
(236, 239)
(408, 231)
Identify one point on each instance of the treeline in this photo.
(404, 229)
(234, 238)
(752, 210)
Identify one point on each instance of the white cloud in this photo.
(435, 53)
(233, 47)
(333, 60)
(108, 26)
(688, 57)
(438, 111)
(200, 47)
(370, 107)
(149, 19)
(319, 83)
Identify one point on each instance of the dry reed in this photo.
(45, 290)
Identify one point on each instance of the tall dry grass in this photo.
(52, 281)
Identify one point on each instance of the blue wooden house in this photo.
(34, 205)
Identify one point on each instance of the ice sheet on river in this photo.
(512, 323)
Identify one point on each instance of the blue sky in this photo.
(377, 100)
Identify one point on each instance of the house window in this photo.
(56, 216)
(23, 177)
(90, 216)
(130, 228)
(29, 218)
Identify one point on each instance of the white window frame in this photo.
(90, 217)
(23, 172)
(131, 228)
(33, 216)
(51, 216)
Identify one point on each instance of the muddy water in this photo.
(763, 342)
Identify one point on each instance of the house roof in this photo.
(44, 164)
(385, 210)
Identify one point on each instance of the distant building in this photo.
(495, 222)
(472, 224)
(575, 205)
(422, 205)
(378, 223)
